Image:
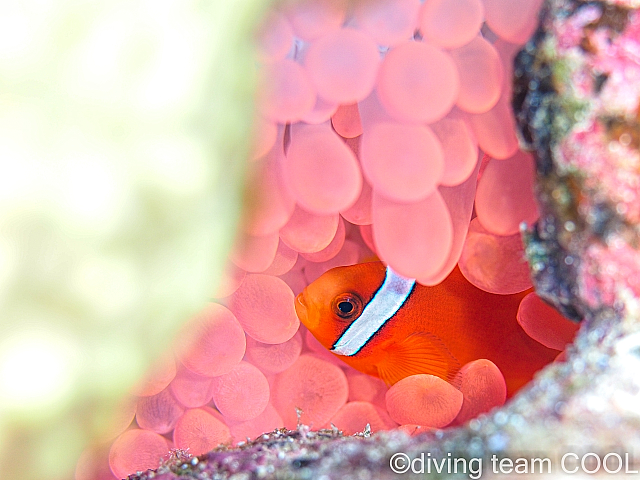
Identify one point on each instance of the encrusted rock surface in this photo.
(576, 95)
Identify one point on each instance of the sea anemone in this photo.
(379, 134)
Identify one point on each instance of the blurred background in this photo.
(123, 129)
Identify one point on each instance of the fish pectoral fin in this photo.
(417, 353)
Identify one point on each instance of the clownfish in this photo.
(390, 327)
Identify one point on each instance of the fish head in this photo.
(329, 305)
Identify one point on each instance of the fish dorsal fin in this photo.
(418, 353)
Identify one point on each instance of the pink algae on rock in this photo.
(313, 387)
(621, 266)
(423, 400)
(199, 431)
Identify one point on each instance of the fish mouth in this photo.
(301, 309)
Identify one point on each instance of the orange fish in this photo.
(391, 327)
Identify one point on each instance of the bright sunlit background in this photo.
(122, 133)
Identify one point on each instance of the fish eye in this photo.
(347, 305)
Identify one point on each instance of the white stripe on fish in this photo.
(386, 302)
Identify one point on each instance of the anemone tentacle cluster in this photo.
(383, 131)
